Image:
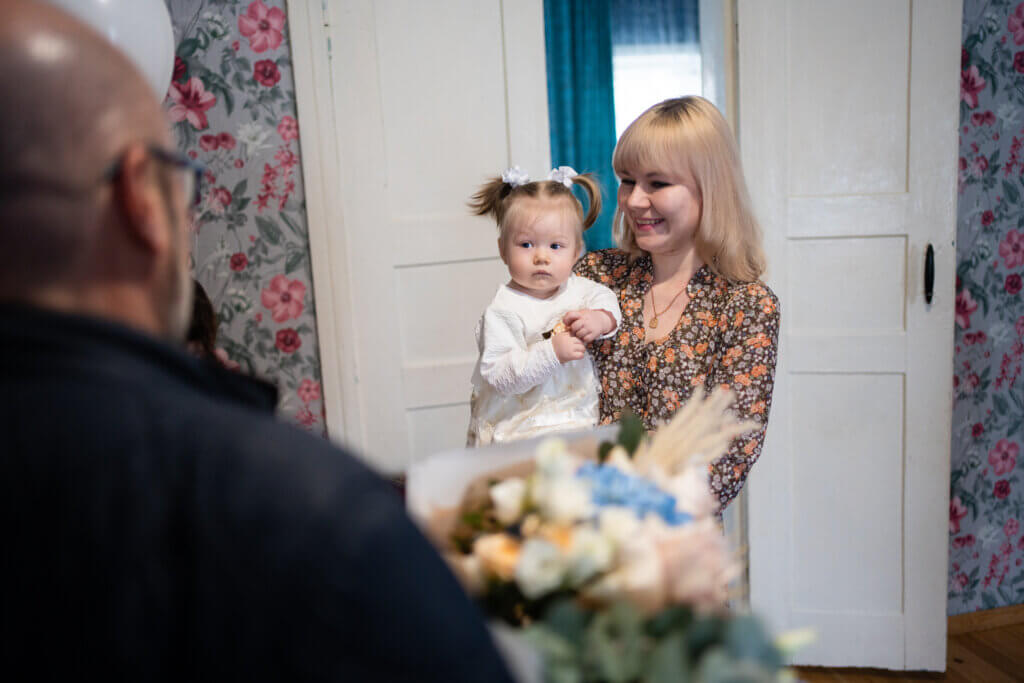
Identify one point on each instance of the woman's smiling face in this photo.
(663, 207)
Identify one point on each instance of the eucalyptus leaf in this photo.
(567, 620)
(746, 638)
(668, 662)
(704, 632)
(614, 644)
(717, 666)
(631, 431)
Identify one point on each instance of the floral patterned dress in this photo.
(727, 335)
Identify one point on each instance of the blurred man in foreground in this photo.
(158, 522)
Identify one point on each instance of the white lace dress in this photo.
(520, 389)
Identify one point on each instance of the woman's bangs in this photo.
(647, 145)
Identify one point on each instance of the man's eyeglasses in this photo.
(192, 176)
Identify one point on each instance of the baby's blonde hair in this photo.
(500, 200)
(688, 134)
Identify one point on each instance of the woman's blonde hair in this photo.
(688, 134)
(500, 200)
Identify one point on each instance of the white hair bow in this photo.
(515, 176)
(563, 174)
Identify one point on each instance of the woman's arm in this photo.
(507, 362)
(747, 366)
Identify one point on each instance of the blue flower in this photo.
(611, 486)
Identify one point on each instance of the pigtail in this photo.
(593, 190)
(490, 199)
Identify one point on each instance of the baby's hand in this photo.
(589, 324)
(567, 347)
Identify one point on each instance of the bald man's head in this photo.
(72, 103)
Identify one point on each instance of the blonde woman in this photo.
(694, 312)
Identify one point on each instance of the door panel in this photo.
(848, 115)
(427, 106)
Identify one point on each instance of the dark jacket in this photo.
(159, 523)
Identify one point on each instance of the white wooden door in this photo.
(848, 117)
(428, 100)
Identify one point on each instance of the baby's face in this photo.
(540, 248)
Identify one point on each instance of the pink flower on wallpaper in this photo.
(180, 69)
(262, 26)
(189, 102)
(1013, 283)
(226, 141)
(1003, 457)
(977, 430)
(1012, 249)
(288, 128)
(965, 306)
(1015, 24)
(965, 541)
(957, 511)
(1011, 527)
(987, 217)
(208, 143)
(287, 340)
(1001, 490)
(286, 158)
(983, 119)
(971, 83)
(222, 196)
(305, 417)
(284, 298)
(958, 582)
(308, 391)
(239, 261)
(978, 337)
(979, 165)
(1018, 62)
(265, 72)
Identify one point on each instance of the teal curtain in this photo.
(581, 107)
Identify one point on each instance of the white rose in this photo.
(508, 497)
(639, 577)
(617, 524)
(565, 499)
(553, 459)
(541, 568)
(590, 553)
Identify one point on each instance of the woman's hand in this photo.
(567, 347)
(589, 324)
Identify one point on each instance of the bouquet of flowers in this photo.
(610, 560)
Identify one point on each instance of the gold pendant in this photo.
(653, 323)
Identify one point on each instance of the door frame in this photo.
(309, 25)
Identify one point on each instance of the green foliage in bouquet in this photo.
(621, 645)
(631, 433)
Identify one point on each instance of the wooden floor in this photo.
(991, 656)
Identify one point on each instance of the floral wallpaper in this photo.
(232, 106)
(986, 510)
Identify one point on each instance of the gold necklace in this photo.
(654, 321)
